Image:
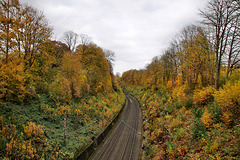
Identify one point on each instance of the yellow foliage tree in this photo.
(60, 89)
(71, 69)
(13, 83)
(96, 66)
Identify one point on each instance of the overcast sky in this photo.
(136, 30)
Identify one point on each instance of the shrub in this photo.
(164, 100)
(172, 149)
(29, 144)
(188, 103)
(12, 83)
(198, 112)
(204, 96)
(198, 129)
(207, 118)
(180, 132)
(228, 98)
(168, 109)
(234, 77)
(226, 117)
(179, 95)
(169, 85)
(60, 89)
(216, 112)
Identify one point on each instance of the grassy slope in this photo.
(84, 119)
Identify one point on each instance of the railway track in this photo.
(123, 143)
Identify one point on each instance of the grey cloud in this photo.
(136, 30)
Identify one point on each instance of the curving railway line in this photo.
(124, 142)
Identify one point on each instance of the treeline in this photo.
(31, 63)
(204, 54)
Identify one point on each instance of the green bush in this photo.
(164, 99)
(198, 129)
(198, 112)
(169, 109)
(216, 112)
(188, 103)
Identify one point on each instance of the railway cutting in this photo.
(124, 142)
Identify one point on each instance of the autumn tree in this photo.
(222, 17)
(58, 49)
(185, 35)
(135, 77)
(170, 62)
(198, 58)
(153, 76)
(23, 32)
(8, 11)
(96, 65)
(69, 80)
(36, 31)
(47, 64)
(128, 77)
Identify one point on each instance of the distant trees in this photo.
(97, 63)
(199, 53)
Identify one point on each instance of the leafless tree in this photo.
(220, 16)
(85, 40)
(70, 38)
(233, 48)
(118, 75)
(110, 56)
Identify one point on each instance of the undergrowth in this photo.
(43, 129)
(201, 125)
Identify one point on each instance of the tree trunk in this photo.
(8, 26)
(218, 68)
